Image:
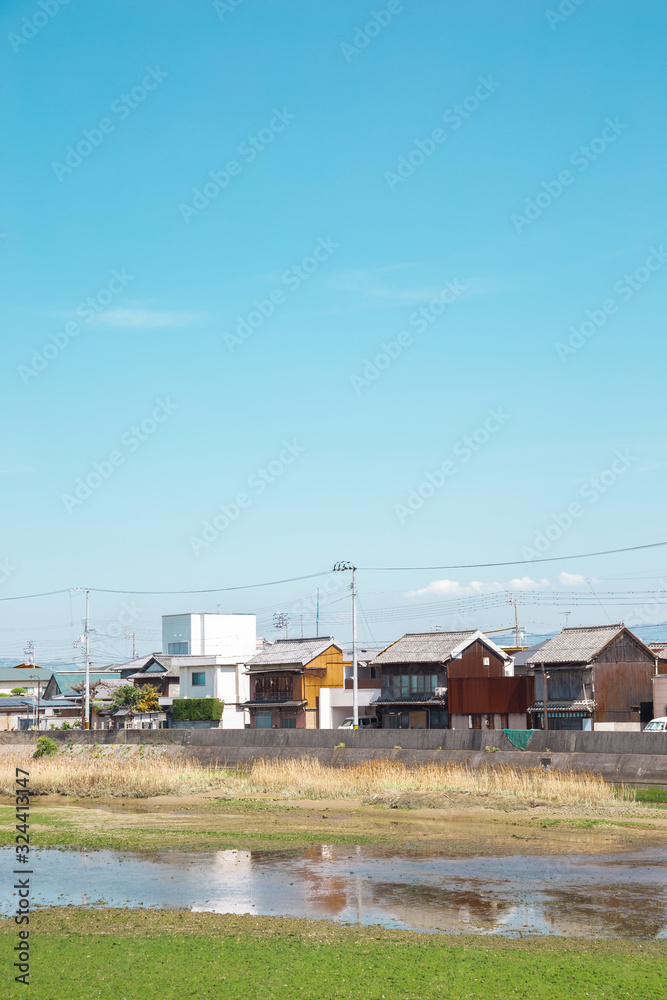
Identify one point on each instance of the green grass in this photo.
(174, 954)
(653, 795)
(588, 823)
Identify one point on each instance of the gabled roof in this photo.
(434, 647)
(154, 667)
(580, 644)
(65, 681)
(522, 657)
(292, 652)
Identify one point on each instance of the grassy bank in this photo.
(134, 955)
(464, 823)
(138, 772)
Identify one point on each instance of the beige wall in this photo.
(659, 696)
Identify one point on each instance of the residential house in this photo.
(438, 680)
(597, 677)
(160, 674)
(27, 676)
(67, 688)
(20, 713)
(287, 679)
(209, 654)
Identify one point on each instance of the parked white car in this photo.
(365, 722)
(655, 725)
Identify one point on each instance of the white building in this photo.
(336, 704)
(210, 653)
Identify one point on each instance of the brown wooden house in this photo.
(286, 679)
(597, 677)
(441, 680)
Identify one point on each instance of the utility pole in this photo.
(545, 699)
(133, 637)
(317, 616)
(87, 637)
(281, 620)
(513, 600)
(340, 567)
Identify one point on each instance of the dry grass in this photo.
(131, 773)
(141, 772)
(308, 778)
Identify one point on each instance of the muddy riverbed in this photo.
(620, 894)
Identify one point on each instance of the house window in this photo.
(263, 720)
(288, 722)
(272, 687)
(438, 719)
(412, 685)
(177, 648)
(198, 679)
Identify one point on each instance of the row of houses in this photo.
(597, 677)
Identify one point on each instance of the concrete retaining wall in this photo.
(634, 758)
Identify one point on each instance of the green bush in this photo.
(18, 690)
(197, 709)
(45, 747)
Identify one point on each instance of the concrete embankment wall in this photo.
(635, 758)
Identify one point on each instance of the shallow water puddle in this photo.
(591, 895)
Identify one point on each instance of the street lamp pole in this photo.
(340, 567)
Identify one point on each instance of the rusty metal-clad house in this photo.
(438, 680)
(285, 682)
(598, 677)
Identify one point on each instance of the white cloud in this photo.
(571, 579)
(527, 583)
(452, 588)
(147, 319)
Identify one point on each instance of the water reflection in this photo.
(607, 895)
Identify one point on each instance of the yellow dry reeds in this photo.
(97, 776)
(308, 778)
(135, 773)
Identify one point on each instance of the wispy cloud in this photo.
(571, 579)
(452, 588)
(147, 319)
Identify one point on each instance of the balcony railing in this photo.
(278, 696)
(363, 683)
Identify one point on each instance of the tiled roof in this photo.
(424, 647)
(578, 705)
(413, 703)
(291, 652)
(274, 704)
(576, 644)
(522, 657)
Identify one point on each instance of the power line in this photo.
(211, 590)
(513, 562)
(366, 569)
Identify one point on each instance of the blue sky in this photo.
(156, 97)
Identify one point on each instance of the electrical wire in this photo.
(513, 562)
